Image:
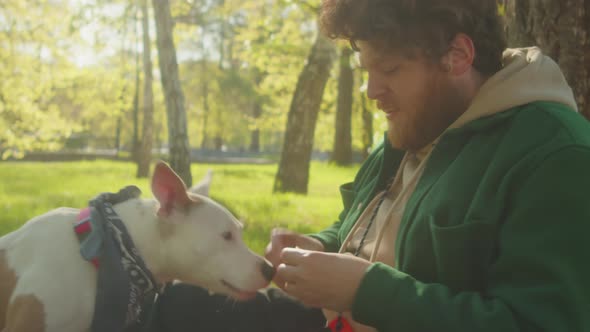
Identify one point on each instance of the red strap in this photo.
(340, 324)
(83, 227)
(95, 262)
(84, 214)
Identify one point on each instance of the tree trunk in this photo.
(257, 109)
(342, 151)
(135, 138)
(118, 136)
(367, 122)
(293, 172)
(205, 92)
(177, 128)
(561, 28)
(222, 27)
(255, 133)
(145, 151)
(218, 142)
(205, 85)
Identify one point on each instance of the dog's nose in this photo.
(268, 271)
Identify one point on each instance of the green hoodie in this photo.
(494, 236)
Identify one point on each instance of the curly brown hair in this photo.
(427, 26)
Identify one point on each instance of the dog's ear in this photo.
(202, 188)
(169, 189)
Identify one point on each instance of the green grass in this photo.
(29, 189)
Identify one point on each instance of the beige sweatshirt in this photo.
(527, 76)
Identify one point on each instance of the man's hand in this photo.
(282, 238)
(324, 280)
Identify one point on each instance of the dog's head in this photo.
(203, 240)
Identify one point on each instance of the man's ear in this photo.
(459, 58)
(169, 189)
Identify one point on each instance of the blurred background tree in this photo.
(77, 79)
(562, 30)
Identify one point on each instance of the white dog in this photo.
(47, 286)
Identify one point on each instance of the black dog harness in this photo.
(126, 289)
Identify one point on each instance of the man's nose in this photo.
(375, 87)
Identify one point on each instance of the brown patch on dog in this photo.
(7, 284)
(26, 313)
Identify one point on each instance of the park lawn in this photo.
(28, 189)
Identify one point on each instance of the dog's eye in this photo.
(227, 236)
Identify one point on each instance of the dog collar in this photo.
(83, 228)
(125, 288)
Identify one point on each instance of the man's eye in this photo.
(227, 236)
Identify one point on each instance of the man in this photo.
(472, 216)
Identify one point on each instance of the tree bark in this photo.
(293, 172)
(342, 151)
(118, 136)
(205, 92)
(135, 138)
(205, 86)
(255, 133)
(367, 135)
(145, 152)
(561, 28)
(257, 109)
(176, 114)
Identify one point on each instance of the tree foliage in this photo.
(29, 111)
(69, 67)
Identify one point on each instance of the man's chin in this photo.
(403, 143)
(395, 141)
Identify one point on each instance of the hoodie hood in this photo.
(527, 76)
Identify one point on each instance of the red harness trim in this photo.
(83, 227)
(339, 324)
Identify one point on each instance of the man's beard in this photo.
(437, 107)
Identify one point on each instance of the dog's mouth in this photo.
(237, 293)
